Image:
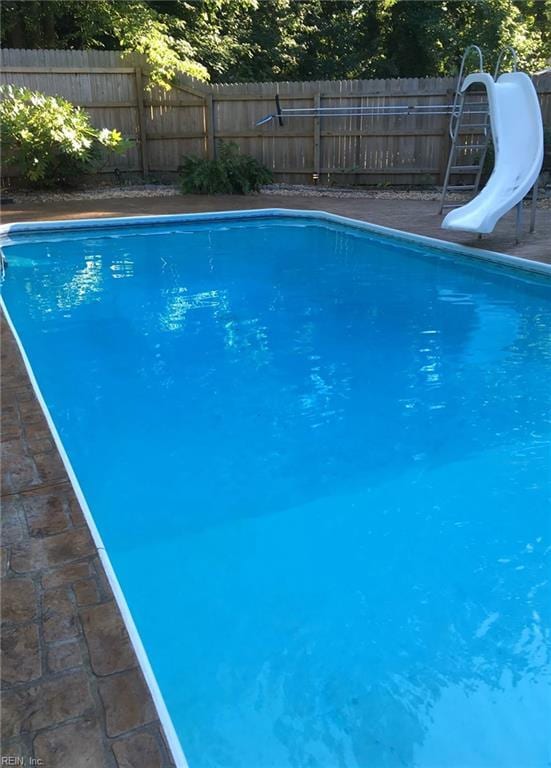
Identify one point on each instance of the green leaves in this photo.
(144, 31)
(230, 174)
(48, 138)
(241, 40)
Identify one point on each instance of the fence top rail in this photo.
(68, 70)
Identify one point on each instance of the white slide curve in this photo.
(517, 132)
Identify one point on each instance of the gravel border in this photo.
(276, 190)
(94, 193)
(344, 193)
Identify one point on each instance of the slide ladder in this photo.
(517, 133)
(469, 134)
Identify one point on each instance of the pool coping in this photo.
(388, 233)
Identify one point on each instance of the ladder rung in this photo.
(468, 126)
(470, 146)
(460, 187)
(464, 169)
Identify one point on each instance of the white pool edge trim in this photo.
(173, 741)
(396, 235)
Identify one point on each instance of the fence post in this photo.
(209, 124)
(141, 122)
(317, 139)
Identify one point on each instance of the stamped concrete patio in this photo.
(73, 693)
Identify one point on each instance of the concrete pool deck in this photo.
(73, 694)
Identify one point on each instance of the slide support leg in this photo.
(534, 206)
(518, 230)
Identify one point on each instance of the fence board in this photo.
(187, 119)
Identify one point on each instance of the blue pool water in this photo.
(319, 461)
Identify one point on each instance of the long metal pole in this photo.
(534, 206)
(518, 224)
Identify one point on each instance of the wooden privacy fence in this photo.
(162, 126)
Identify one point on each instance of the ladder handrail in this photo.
(505, 50)
(458, 95)
(457, 112)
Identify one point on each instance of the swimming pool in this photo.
(318, 458)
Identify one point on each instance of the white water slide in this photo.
(517, 132)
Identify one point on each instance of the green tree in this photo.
(401, 38)
(114, 24)
(232, 40)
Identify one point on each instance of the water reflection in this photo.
(83, 286)
(179, 302)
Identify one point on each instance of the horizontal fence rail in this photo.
(369, 147)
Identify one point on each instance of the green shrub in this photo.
(49, 139)
(231, 173)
